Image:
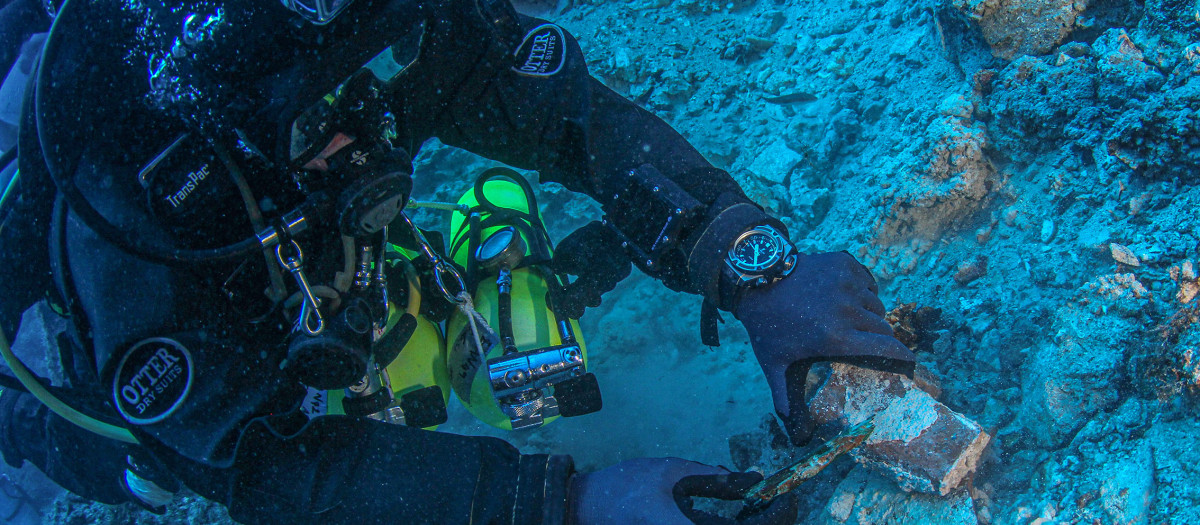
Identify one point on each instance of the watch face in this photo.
(755, 251)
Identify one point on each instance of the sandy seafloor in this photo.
(1028, 167)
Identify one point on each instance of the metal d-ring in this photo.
(440, 266)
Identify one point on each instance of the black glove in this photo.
(594, 254)
(825, 310)
(659, 491)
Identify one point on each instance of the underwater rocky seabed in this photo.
(1028, 167)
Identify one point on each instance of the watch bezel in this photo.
(739, 263)
(735, 279)
(781, 265)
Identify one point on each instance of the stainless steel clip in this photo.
(310, 309)
(441, 267)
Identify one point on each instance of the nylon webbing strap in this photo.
(709, 318)
(708, 254)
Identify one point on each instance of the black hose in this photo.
(72, 397)
(64, 284)
(62, 165)
(504, 314)
(7, 185)
(528, 223)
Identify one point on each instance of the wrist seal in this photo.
(672, 236)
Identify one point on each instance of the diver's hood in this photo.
(120, 80)
(111, 49)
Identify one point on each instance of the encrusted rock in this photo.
(775, 162)
(864, 498)
(767, 446)
(984, 234)
(956, 105)
(768, 23)
(1022, 27)
(1123, 255)
(1071, 378)
(1127, 485)
(1037, 104)
(1118, 286)
(1191, 59)
(1184, 275)
(954, 180)
(1180, 369)
(919, 442)
(914, 325)
(970, 270)
(1160, 137)
(1124, 73)
(981, 81)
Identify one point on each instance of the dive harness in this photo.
(364, 208)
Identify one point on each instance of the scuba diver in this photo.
(214, 192)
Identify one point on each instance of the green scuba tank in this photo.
(502, 381)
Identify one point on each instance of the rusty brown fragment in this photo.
(785, 480)
(914, 325)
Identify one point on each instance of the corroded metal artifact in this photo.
(791, 477)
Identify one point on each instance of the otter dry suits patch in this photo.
(542, 53)
(152, 380)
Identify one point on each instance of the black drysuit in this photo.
(477, 82)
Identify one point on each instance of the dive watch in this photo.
(759, 256)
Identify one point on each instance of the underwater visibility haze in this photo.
(1021, 177)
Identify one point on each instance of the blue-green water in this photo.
(1028, 167)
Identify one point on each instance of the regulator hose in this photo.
(30, 382)
(8, 187)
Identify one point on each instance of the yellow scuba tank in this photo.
(505, 223)
(421, 362)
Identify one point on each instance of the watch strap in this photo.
(710, 316)
(712, 243)
(728, 288)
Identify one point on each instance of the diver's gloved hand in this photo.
(660, 490)
(594, 254)
(825, 310)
